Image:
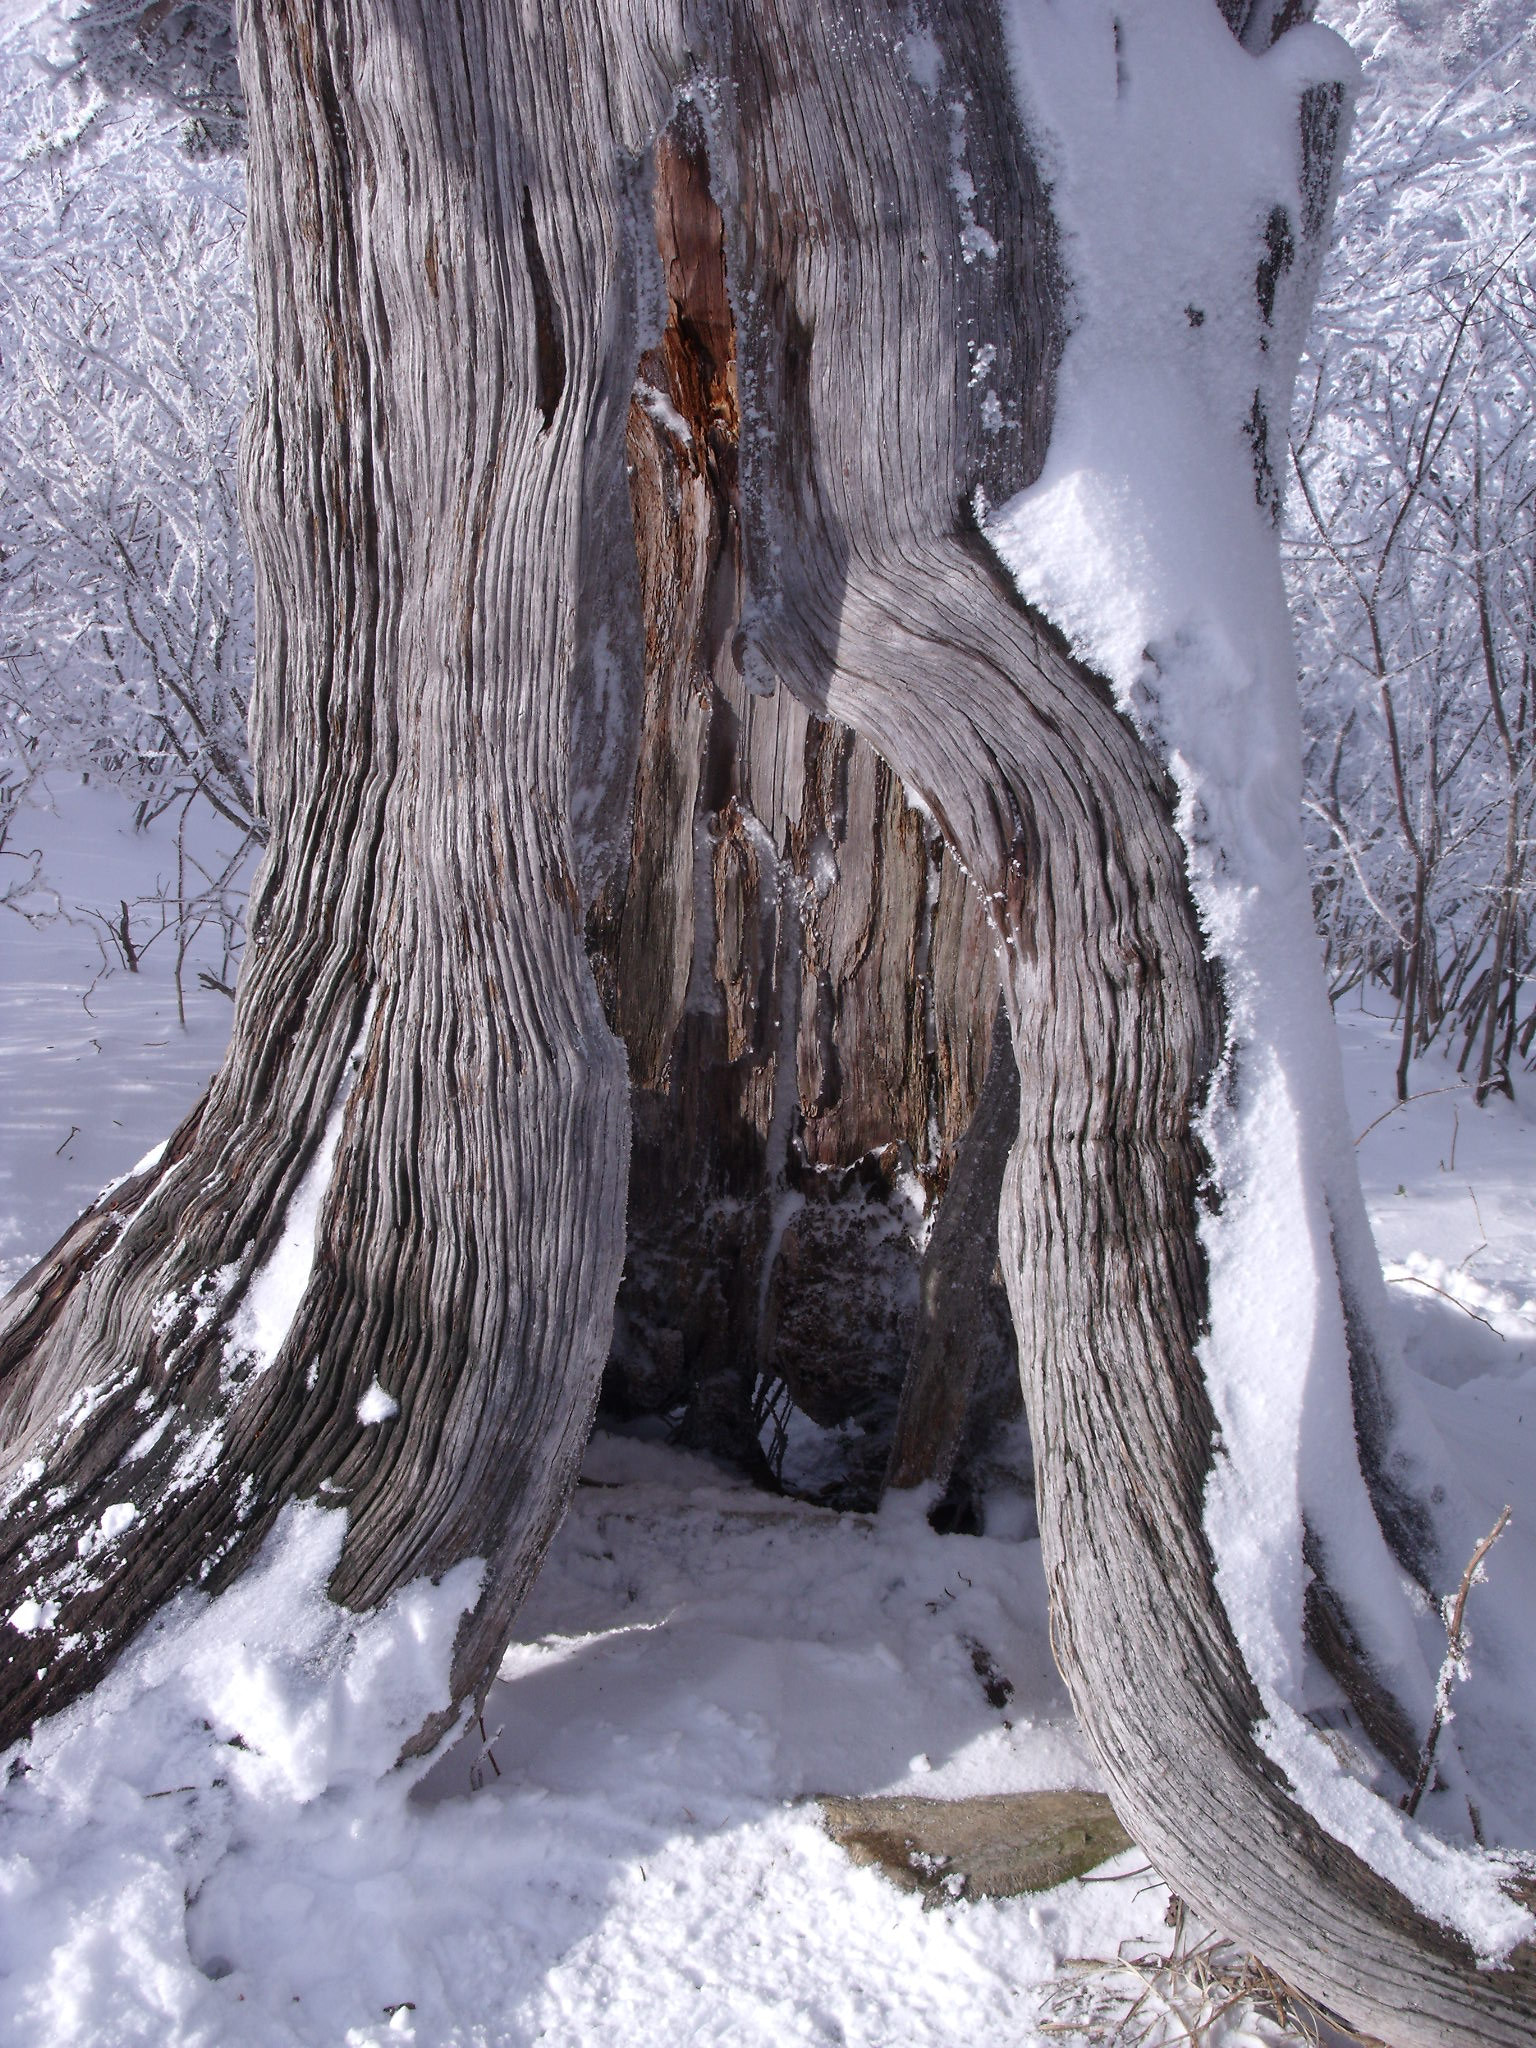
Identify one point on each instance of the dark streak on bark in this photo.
(549, 349)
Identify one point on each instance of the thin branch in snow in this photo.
(1454, 1665)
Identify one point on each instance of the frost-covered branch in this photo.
(1410, 532)
(125, 610)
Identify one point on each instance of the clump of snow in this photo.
(231, 1727)
(150, 1159)
(33, 1615)
(197, 1458)
(974, 239)
(1167, 147)
(822, 864)
(115, 1521)
(663, 411)
(925, 59)
(377, 1406)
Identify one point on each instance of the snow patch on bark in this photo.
(663, 411)
(33, 1615)
(297, 1696)
(1168, 150)
(377, 1406)
(271, 1302)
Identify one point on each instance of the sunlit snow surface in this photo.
(204, 1854)
(1452, 1195)
(96, 1066)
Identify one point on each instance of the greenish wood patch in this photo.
(991, 1847)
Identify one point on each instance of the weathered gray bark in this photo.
(441, 196)
(877, 609)
(443, 378)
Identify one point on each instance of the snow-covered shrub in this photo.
(125, 611)
(1411, 529)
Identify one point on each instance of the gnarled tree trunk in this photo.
(453, 241)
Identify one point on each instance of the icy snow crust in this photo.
(1166, 146)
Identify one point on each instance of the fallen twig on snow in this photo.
(1414, 1280)
(1147, 1999)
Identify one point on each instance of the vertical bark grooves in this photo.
(880, 612)
(435, 228)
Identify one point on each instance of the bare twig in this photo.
(1413, 1280)
(1147, 1999)
(1451, 1088)
(1454, 1664)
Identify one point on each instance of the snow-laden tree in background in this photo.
(1412, 532)
(125, 605)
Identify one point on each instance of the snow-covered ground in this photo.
(1451, 1191)
(96, 1065)
(696, 1657)
(206, 1854)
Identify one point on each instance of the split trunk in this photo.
(502, 588)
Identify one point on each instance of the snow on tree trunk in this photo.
(377, 1266)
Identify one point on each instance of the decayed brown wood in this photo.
(803, 981)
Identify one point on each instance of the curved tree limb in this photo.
(884, 612)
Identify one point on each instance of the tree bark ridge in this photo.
(880, 611)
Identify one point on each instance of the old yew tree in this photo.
(762, 514)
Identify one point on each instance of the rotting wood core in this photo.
(803, 980)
